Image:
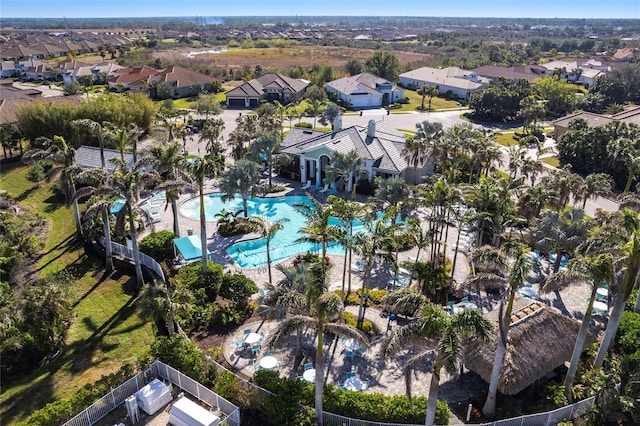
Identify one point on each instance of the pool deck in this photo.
(385, 375)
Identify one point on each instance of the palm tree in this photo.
(63, 156)
(618, 233)
(162, 302)
(122, 136)
(169, 163)
(317, 228)
(416, 152)
(199, 168)
(267, 230)
(390, 193)
(371, 245)
(561, 231)
(267, 145)
(443, 336)
(344, 167)
(594, 185)
(348, 212)
(596, 270)
(243, 178)
(95, 129)
(325, 308)
(563, 182)
(289, 297)
(533, 200)
(126, 184)
(625, 150)
(212, 132)
(519, 270)
(427, 91)
(421, 238)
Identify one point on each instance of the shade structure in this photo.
(190, 247)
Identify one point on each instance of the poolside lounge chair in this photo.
(240, 344)
(332, 191)
(324, 189)
(349, 354)
(316, 187)
(351, 374)
(308, 366)
(306, 185)
(247, 331)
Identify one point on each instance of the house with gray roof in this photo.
(272, 87)
(630, 115)
(88, 157)
(379, 145)
(364, 90)
(452, 80)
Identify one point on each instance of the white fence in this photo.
(146, 261)
(116, 397)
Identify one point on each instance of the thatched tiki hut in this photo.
(540, 340)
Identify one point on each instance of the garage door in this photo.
(234, 102)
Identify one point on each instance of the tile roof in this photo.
(89, 157)
(255, 87)
(181, 76)
(451, 77)
(384, 149)
(363, 82)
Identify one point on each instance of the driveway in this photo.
(46, 90)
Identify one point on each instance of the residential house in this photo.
(630, 115)
(272, 87)
(452, 81)
(626, 54)
(124, 78)
(7, 69)
(578, 70)
(365, 90)
(526, 72)
(379, 145)
(186, 82)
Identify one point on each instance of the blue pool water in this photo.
(253, 253)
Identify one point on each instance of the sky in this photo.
(460, 8)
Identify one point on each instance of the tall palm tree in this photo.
(440, 336)
(371, 245)
(126, 184)
(318, 228)
(626, 150)
(421, 238)
(561, 231)
(618, 233)
(199, 168)
(593, 185)
(391, 193)
(563, 182)
(212, 131)
(519, 269)
(267, 230)
(122, 136)
(242, 178)
(429, 92)
(267, 145)
(347, 212)
(170, 163)
(344, 167)
(325, 309)
(63, 156)
(595, 270)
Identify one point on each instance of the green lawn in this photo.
(505, 138)
(105, 332)
(415, 101)
(552, 161)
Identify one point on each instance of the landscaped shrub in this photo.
(284, 407)
(205, 290)
(237, 227)
(351, 320)
(307, 257)
(276, 188)
(628, 336)
(37, 172)
(237, 288)
(227, 315)
(182, 354)
(158, 245)
(375, 296)
(304, 125)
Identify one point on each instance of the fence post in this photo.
(571, 413)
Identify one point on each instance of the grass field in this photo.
(106, 330)
(415, 101)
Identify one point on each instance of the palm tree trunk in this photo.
(455, 256)
(319, 374)
(349, 273)
(365, 280)
(107, 240)
(176, 222)
(136, 253)
(299, 343)
(268, 259)
(76, 209)
(245, 207)
(344, 276)
(203, 230)
(627, 186)
(579, 346)
(433, 395)
(615, 316)
(489, 408)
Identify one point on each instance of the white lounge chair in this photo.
(325, 188)
(306, 185)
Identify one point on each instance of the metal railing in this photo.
(103, 406)
(145, 260)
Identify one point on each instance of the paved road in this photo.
(47, 91)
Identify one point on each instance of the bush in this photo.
(276, 188)
(158, 245)
(191, 276)
(628, 335)
(180, 353)
(227, 315)
(37, 172)
(351, 320)
(307, 257)
(376, 296)
(304, 125)
(237, 288)
(238, 226)
(284, 406)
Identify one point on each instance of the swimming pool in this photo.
(253, 253)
